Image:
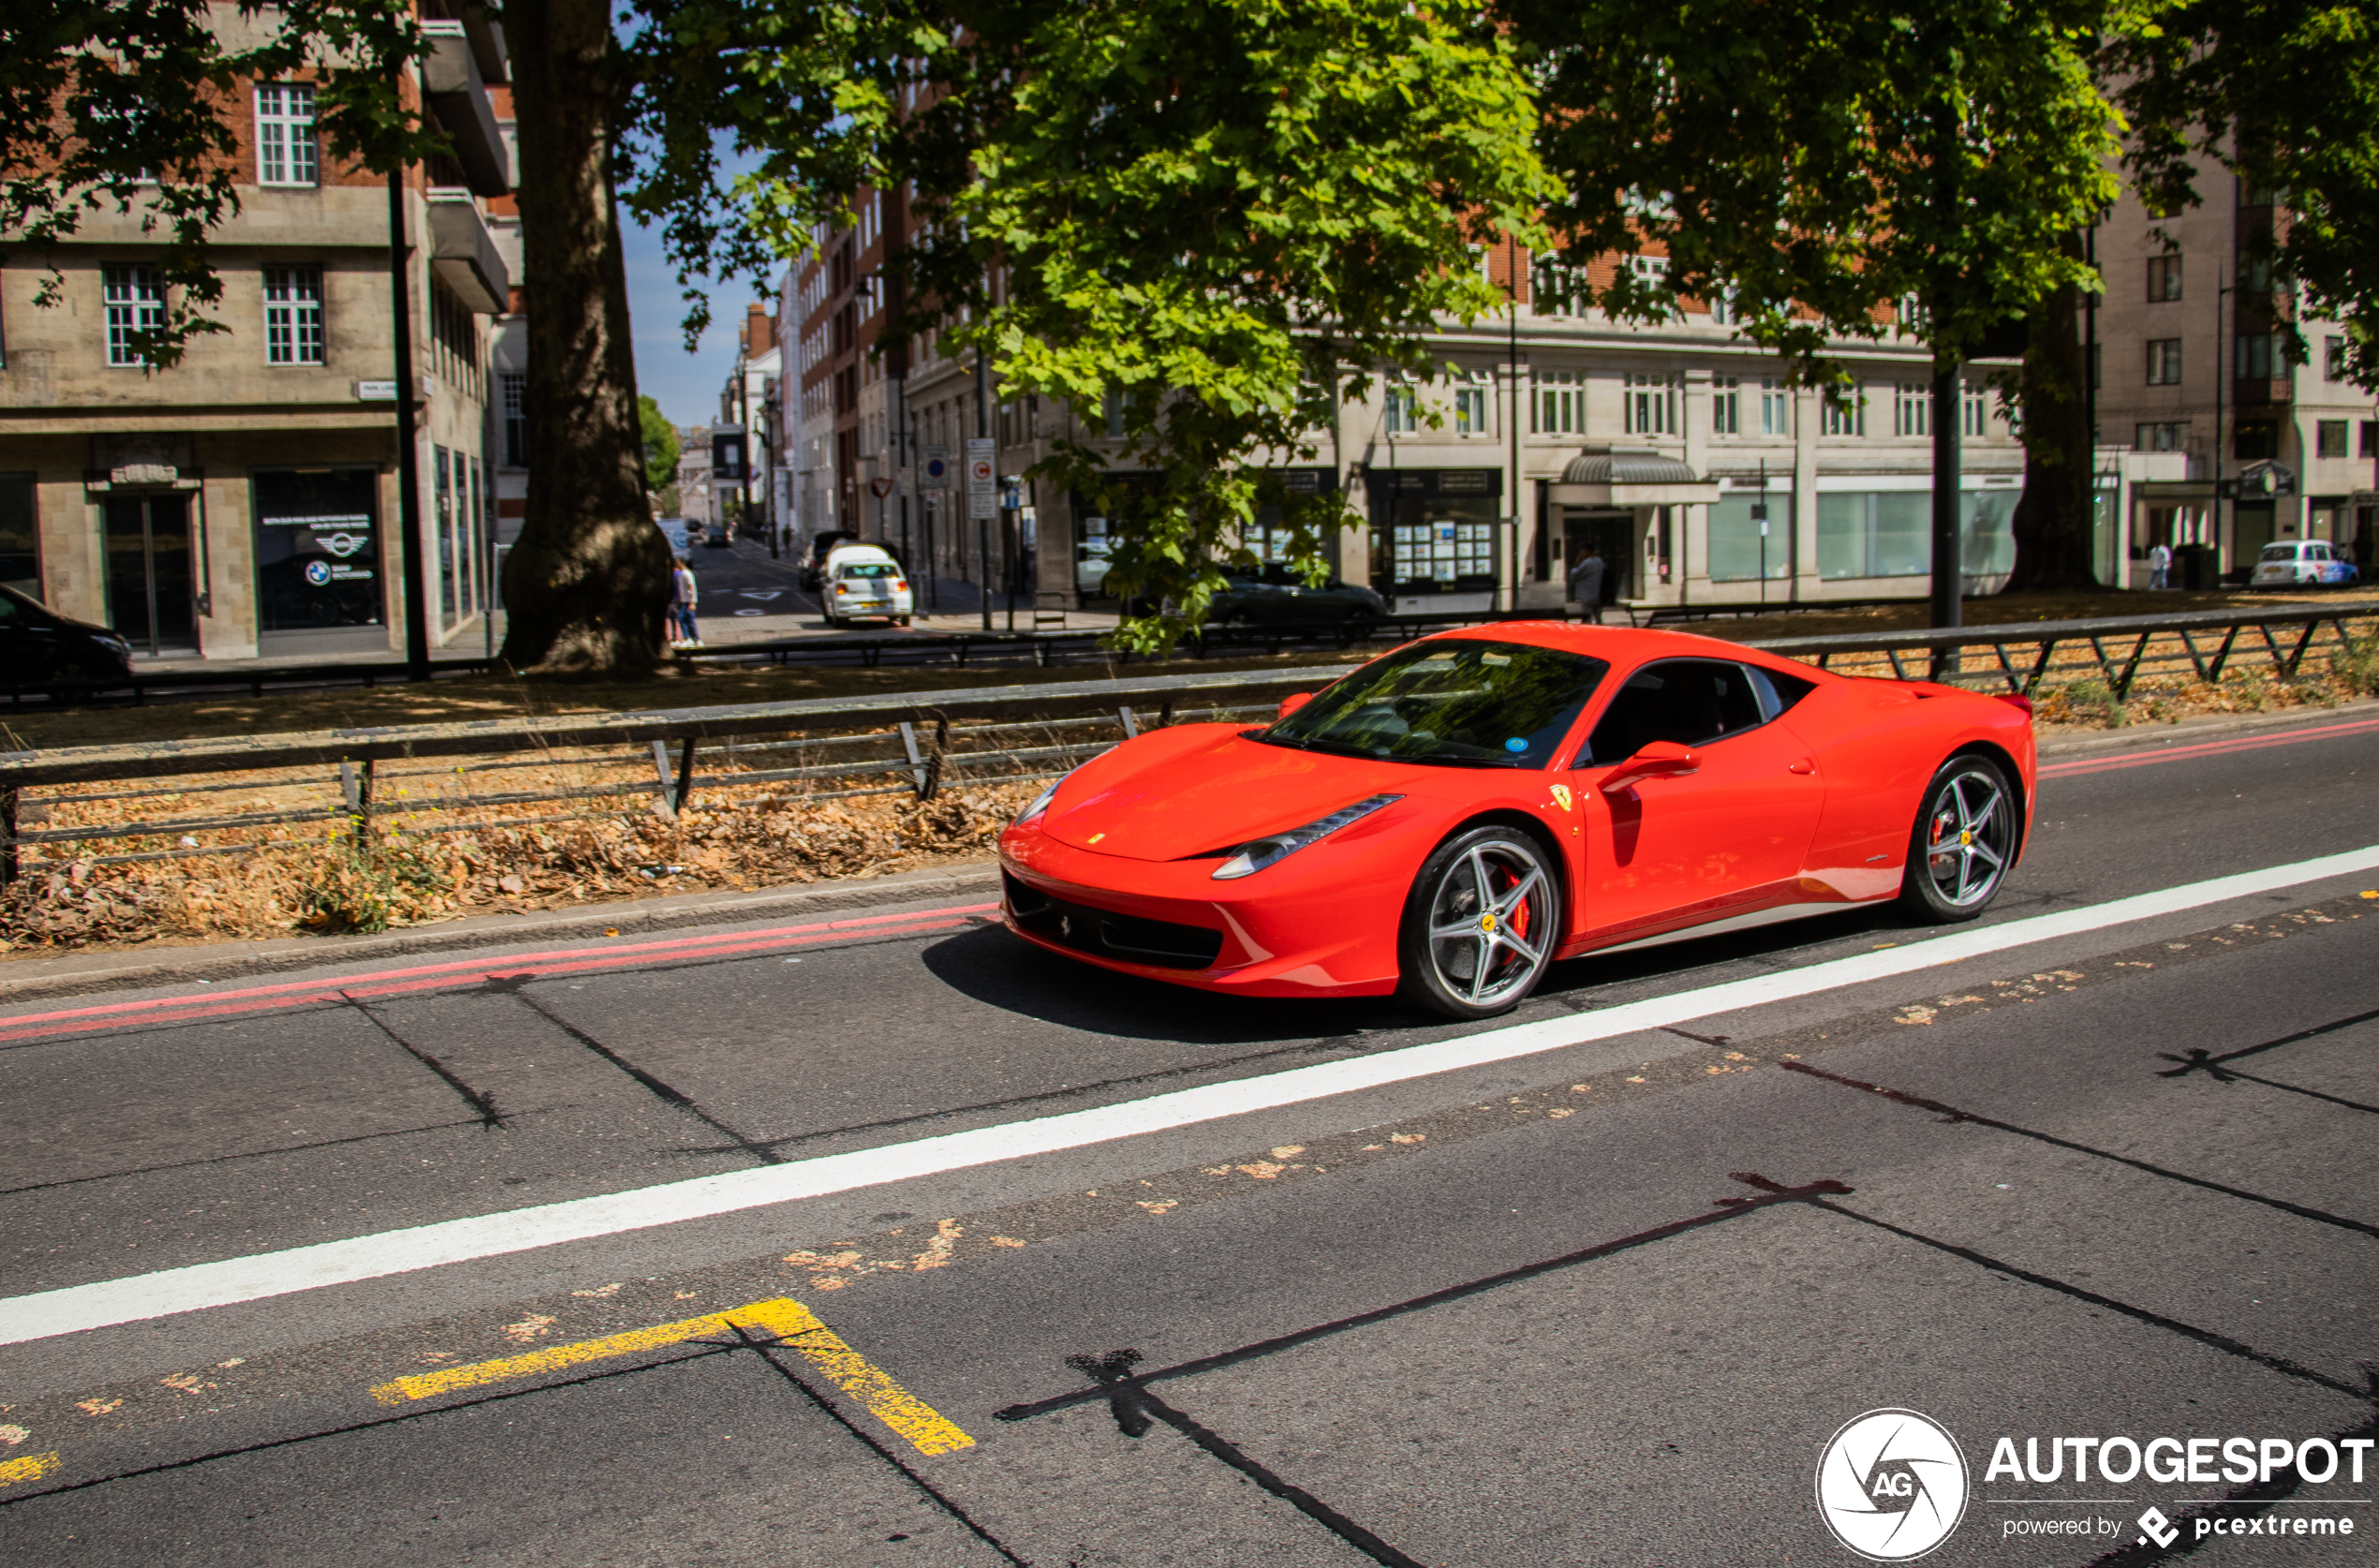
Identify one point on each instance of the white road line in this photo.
(175, 1291)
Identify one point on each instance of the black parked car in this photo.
(42, 650)
(1276, 597)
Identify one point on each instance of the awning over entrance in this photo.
(1631, 478)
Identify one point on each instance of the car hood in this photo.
(1179, 793)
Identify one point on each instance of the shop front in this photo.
(318, 571)
(1436, 538)
(1632, 507)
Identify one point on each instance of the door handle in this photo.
(1802, 765)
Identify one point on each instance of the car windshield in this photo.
(2279, 553)
(867, 568)
(1463, 701)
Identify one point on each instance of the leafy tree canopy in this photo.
(660, 444)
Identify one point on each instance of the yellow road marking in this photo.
(794, 1325)
(33, 1467)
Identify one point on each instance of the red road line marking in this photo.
(2208, 749)
(202, 999)
(430, 976)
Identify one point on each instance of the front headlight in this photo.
(1257, 853)
(1041, 802)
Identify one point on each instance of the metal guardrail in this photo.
(922, 743)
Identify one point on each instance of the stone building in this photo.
(244, 503)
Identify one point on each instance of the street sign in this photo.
(936, 467)
(983, 478)
(879, 488)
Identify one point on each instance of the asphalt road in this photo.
(1603, 1301)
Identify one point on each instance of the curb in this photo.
(29, 978)
(2191, 729)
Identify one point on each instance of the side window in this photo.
(1778, 691)
(1691, 702)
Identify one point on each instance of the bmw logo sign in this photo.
(1891, 1485)
(318, 572)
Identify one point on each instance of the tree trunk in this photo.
(2053, 522)
(585, 587)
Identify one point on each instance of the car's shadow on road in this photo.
(998, 969)
(994, 966)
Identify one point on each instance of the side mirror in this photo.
(1657, 760)
(1293, 702)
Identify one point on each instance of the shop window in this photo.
(20, 538)
(1889, 533)
(317, 549)
(293, 315)
(2163, 362)
(1750, 535)
(284, 151)
(135, 305)
(2164, 277)
(444, 523)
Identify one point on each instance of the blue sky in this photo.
(686, 386)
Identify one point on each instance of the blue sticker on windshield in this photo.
(1515, 744)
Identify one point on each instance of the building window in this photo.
(2163, 362)
(515, 390)
(1557, 290)
(1469, 407)
(2164, 277)
(1561, 403)
(1404, 410)
(1722, 311)
(2255, 440)
(2333, 359)
(443, 489)
(2163, 435)
(1776, 409)
(1910, 314)
(20, 537)
(1650, 402)
(2252, 353)
(2370, 437)
(1727, 405)
(1845, 414)
(285, 152)
(2329, 438)
(293, 315)
(1911, 402)
(135, 305)
(1974, 409)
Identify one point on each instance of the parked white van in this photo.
(862, 582)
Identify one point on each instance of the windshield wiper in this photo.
(1334, 748)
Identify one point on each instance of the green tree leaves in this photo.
(660, 444)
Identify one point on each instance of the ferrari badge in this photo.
(1561, 796)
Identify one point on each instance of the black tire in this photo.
(1460, 960)
(1964, 842)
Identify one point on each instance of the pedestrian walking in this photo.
(2159, 567)
(1586, 584)
(682, 600)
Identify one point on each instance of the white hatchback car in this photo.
(863, 583)
(2308, 563)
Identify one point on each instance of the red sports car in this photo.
(1452, 817)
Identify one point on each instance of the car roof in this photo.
(1622, 645)
(858, 551)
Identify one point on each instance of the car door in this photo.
(1662, 853)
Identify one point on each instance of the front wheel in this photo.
(1962, 843)
(1480, 924)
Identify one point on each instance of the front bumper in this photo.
(1310, 934)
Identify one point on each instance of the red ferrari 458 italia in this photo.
(1449, 818)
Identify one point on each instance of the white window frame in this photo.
(1473, 404)
(1974, 409)
(1843, 414)
(2163, 362)
(293, 315)
(285, 152)
(135, 302)
(1911, 407)
(1401, 407)
(1727, 405)
(1560, 403)
(1648, 403)
(1776, 407)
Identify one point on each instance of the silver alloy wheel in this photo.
(1970, 836)
(1490, 923)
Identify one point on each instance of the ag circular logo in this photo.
(318, 572)
(1891, 1485)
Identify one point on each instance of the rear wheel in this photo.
(1480, 924)
(1964, 842)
